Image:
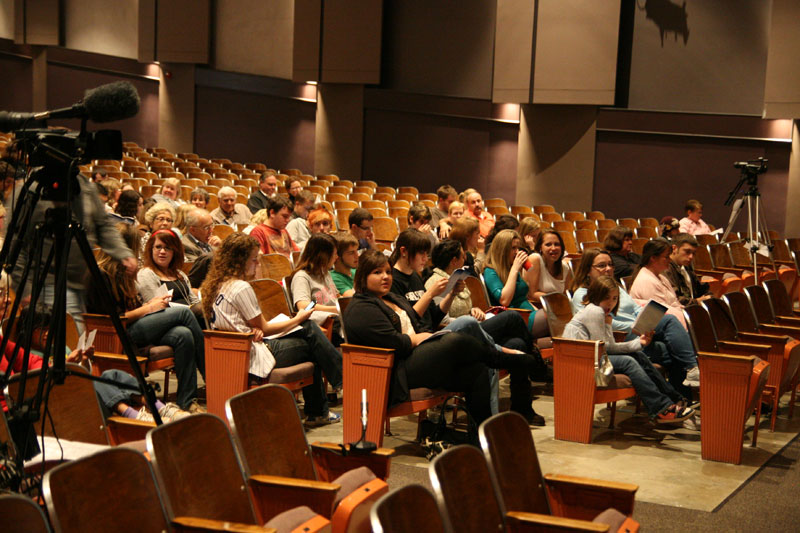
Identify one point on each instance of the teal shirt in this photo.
(343, 283)
(494, 286)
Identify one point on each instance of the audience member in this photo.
(272, 234)
(293, 188)
(320, 220)
(446, 195)
(505, 282)
(377, 317)
(344, 268)
(467, 232)
(312, 281)
(650, 283)
(549, 270)
(619, 242)
(169, 192)
(229, 212)
(454, 212)
(180, 216)
(693, 223)
(298, 226)
(231, 305)
(197, 239)
(260, 217)
(503, 222)
(419, 218)
(474, 209)
(158, 216)
(99, 175)
(447, 257)
(267, 189)
(664, 404)
(128, 209)
(671, 347)
(163, 263)
(154, 322)
(529, 229)
(199, 198)
(669, 227)
(113, 189)
(681, 274)
(360, 221)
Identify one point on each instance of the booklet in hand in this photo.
(86, 340)
(457, 275)
(649, 317)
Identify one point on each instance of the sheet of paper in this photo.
(437, 334)
(455, 277)
(649, 317)
(281, 318)
(90, 339)
(82, 342)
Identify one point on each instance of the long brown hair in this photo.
(369, 261)
(498, 253)
(169, 238)
(317, 255)
(600, 289)
(123, 285)
(582, 277)
(230, 262)
(538, 249)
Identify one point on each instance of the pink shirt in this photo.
(694, 228)
(648, 286)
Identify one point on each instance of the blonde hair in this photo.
(498, 253)
(157, 208)
(453, 205)
(528, 226)
(180, 219)
(464, 196)
(175, 182)
(259, 217)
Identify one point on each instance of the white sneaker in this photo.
(692, 378)
(171, 412)
(144, 415)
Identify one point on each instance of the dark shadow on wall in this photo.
(669, 17)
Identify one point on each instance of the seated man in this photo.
(446, 195)
(344, 269)
(198, 239)
(693, 223)
(272, 235)
(229, 212)
(267, 189)
(474, 203)
(688, 288)
(298, 226)
(361, 221)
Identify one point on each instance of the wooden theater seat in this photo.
(510, 452)
(575, 392)
(269, 435)
(199, 475)
(731, 385)
(22, 515)
(227, 364)
(390, 513)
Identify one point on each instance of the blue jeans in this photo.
(655, 392)
(111, 395)
(176, 327)
(680, 355)
(323, 353)
(293, 350)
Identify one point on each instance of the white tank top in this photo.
(547, 283)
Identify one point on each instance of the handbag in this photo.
(603, 371)
(437, 436)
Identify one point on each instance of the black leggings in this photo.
(452, 362)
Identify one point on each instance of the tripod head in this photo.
(750, 171)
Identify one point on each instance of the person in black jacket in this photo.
(619, 242)
(451, 361)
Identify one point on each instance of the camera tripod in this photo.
(59, 227)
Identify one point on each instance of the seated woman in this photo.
(504, 280)
(503, 222)
(550, 271)
(448, 256)
(259, 217)
(529, 229)
(160, 216)
(200, 198)
(619, 242)
(672, 346)
(230, 304)
(169, 193)
(180, 217)
(669, 227)
(454, 212)
(650, 283)
(507, 343)
(155, 322)
(467, 232)
(163, 261)
(377, 317)
(129, 205)
(311, 281)
(693, 222)
(664, 404)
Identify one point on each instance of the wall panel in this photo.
(102, 27)
(17, 86)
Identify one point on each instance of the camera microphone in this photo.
(107, 103)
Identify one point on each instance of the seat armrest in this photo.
(331, 462)
(191, 524)
(521, 522)
(367, 349)
(743, 348)
(121, 429)
(763, 338)
(585, 498)
(275, 494)
(793, 321)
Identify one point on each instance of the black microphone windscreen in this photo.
(110, 102)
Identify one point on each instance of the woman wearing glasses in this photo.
(160, 216)
(672, 346)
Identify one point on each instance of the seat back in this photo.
(197, 470)
(73, 406)
(21, 515)
(272, 298)
(463, 487)
(508, 445)
(268, 433)
(719, 313)
(760, 303)
(559, 312)
(385, 229)
(275, 266)
(391, 513)
(478, 293)
(778, 297)
(701, 330)
(112, 490)
(741, 311)
(702, 258)
(720, 255)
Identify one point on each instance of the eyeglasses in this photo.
(368, 228)
(163, 219)
(206, 228)
(603, 266)
(161, 247)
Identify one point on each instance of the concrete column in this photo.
(176, 103)
(555, 156)
(339, 130)
(793, 191)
